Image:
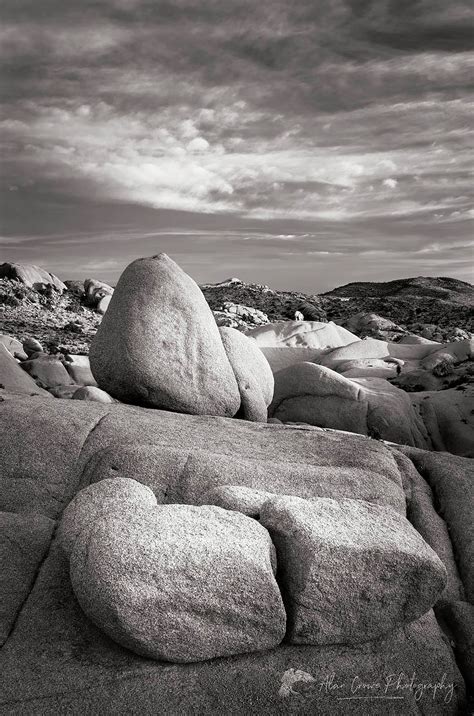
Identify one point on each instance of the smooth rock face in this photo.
(110, 496)
(317, 395)
(13, 346)
(180, 583)
(158, 344)
(13, 379)
(91, 392)
(103, 304)
(351, 571)
(253, 373)
(24, 540)
(48, 371)
(310, 334)
(79, 369)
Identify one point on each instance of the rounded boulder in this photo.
(158, 344)
(180, 583)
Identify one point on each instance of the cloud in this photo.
(352, 116)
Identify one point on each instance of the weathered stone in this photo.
(79, 369)
(58, 661)
(309, 334)
(180, 583)
(158, 344)
(460, 619)
(13, 346)
(91, 392)
(32, 276)
(108, 497)
(431, 526)
(317, 395)
(31, 345)
(95, 291)
(13, 379)
(103, 304)
(253, 374)
(351, 571)
(64, 392)
(24, 540)
(452, 480)
(47, 371)
(247, 500)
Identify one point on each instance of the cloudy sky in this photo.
(299, 144)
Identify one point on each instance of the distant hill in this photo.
(442, 288)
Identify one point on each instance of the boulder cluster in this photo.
(159, 346)
(184, 583)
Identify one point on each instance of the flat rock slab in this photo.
(24, 541)
(350, 571)
(57, 661)
(47, 444)
(41, 449)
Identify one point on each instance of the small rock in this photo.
(47, 371)
(31, 345)
(91, 392)
(13, 346)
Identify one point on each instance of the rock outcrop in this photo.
(31, 276)
(158, 344)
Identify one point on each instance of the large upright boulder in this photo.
(159, 345)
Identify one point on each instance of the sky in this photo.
(298, 144)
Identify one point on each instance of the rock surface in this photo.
(14, 380)
(24, 541)
(47, 371)
(108, 497)
(306, 334)
(91, 392)
(158, 344)
(351, 571)
(79, 369)
(316, 395)
(252, 372)
(56, 660)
